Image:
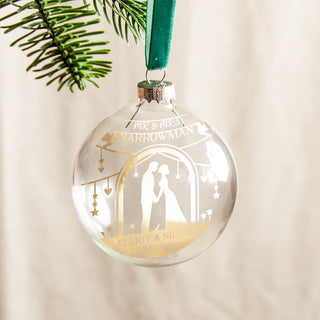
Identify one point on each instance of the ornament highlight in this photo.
(153, 184)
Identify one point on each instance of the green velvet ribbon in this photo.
(160, 14)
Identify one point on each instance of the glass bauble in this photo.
(158, 189)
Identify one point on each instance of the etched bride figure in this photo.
(173, 211)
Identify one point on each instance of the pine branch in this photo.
(60, 45)
(126, 15)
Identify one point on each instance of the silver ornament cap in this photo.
(160, 91)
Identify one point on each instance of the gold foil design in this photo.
(149, 137)
(108, 190)
(94, 204)
(157, 243)
(150, 172)
(101, 168)
(144, 155)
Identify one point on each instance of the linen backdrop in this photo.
(252, 68)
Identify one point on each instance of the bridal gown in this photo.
(173, 211)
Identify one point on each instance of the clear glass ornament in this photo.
(154, 184)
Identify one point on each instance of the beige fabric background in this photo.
(253, 69)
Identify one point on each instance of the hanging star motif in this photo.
(94, 212)
(210, 213)
(203, 215)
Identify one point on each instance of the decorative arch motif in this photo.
(140, 156)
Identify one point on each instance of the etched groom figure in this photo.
(148, 196)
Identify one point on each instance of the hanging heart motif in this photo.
(108, 191)
(204, 179)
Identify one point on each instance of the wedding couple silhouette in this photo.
(173, 212)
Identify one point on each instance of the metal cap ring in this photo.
(164, 76)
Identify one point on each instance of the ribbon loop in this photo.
(160, 14)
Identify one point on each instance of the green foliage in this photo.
(53, 32)
(55, 36)
(126, 15)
